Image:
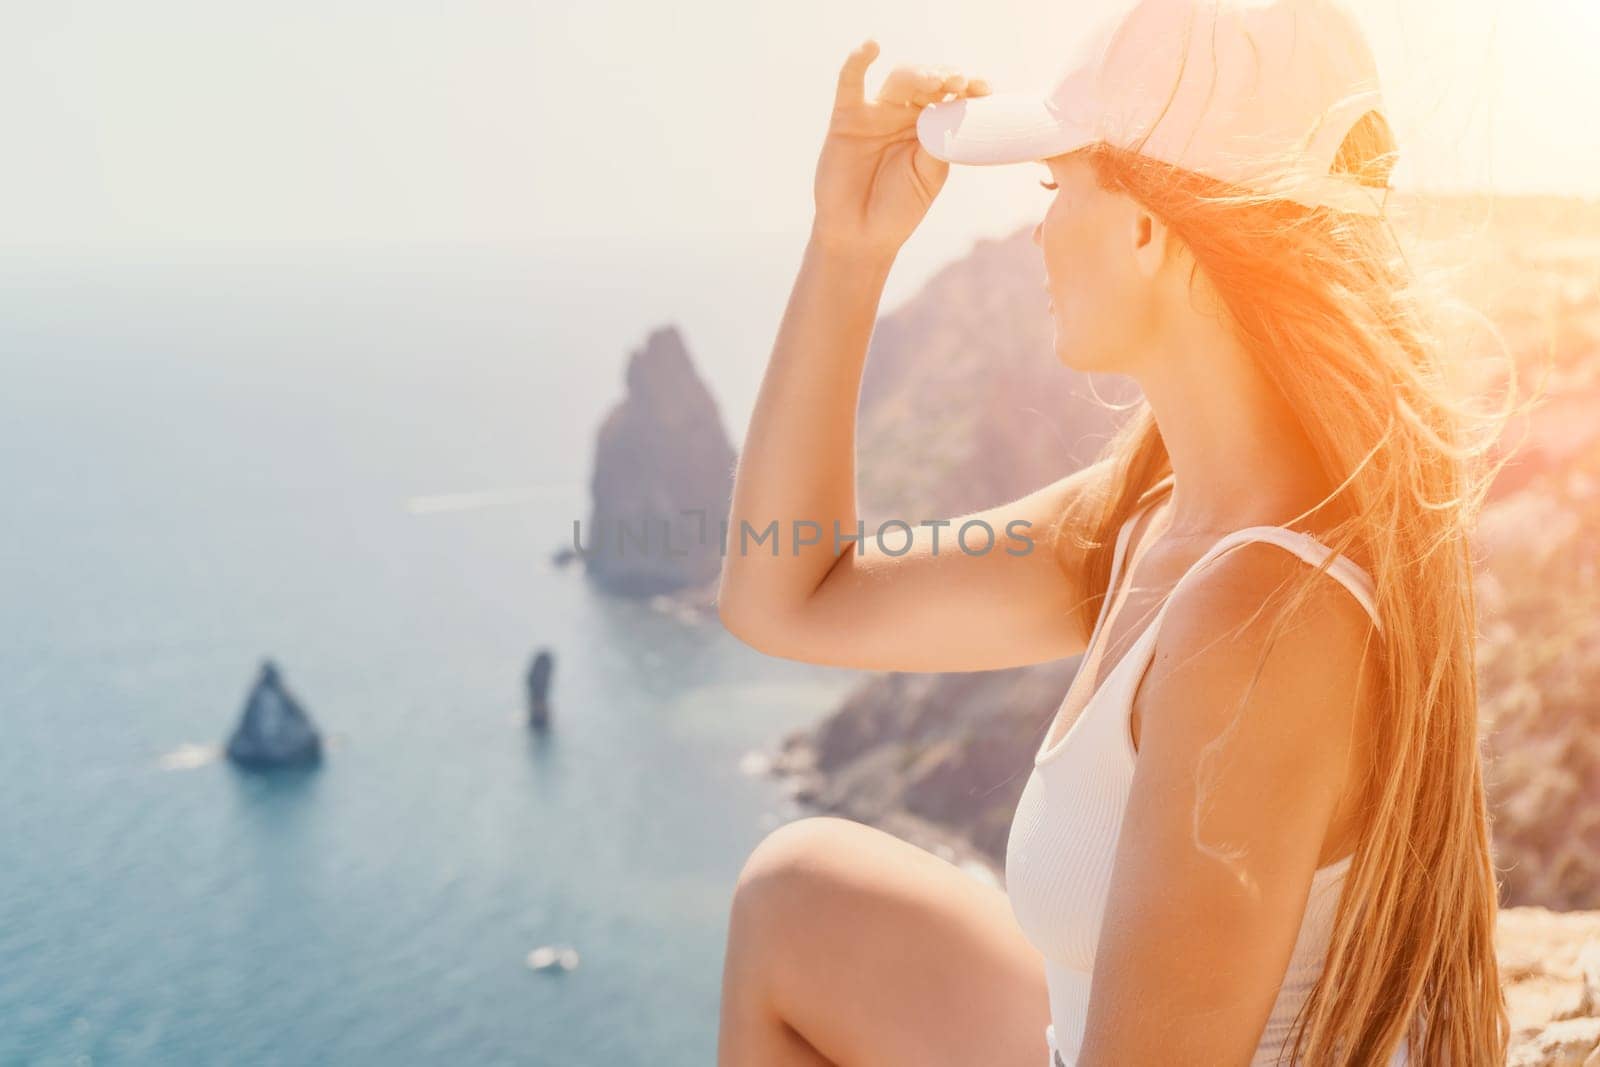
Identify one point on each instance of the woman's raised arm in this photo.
(794, 582)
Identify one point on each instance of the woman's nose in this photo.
(1038, 233)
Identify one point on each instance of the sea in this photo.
(358, 462)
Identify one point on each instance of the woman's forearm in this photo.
(797, 466)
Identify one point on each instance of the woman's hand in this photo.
(874, 179)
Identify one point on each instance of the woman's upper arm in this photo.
(948, 602)
(1226, 818)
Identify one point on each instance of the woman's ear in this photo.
(1153, 242)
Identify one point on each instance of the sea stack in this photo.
(663, 479)
(274, 730)
(539, 689)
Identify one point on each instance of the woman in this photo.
(1256, 826)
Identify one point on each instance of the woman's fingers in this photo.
(918, 85)
(910, 85)
(851, 90)
(907, 85)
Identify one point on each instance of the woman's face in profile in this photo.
(1101, 305)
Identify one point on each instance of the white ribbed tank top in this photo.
(1064, 834)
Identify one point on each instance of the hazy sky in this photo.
(473, 120)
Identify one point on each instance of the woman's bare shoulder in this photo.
(1230, 631)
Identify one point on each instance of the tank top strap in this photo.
(1120, 552)
(1146, 502)
(1341, 568)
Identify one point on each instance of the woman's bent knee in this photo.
(787, 867)
(795, 849)
(877, 951)
(775, 896)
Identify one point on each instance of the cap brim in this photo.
(998, 128)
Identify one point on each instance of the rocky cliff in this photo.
(938, 759)
(662, 481)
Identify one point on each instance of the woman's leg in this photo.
(849, 946)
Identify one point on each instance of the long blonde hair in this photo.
(1346, 328)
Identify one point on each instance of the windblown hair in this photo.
(1349, 332)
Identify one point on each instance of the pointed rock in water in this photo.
(539, 672)
(274, 730)
(662, 481)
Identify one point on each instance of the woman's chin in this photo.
(1069, 352)
(1064, 359)
(1061, 343)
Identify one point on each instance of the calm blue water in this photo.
(208, 459)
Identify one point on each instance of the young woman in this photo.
(1255, 829)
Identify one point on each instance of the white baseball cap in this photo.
(1256, 93)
